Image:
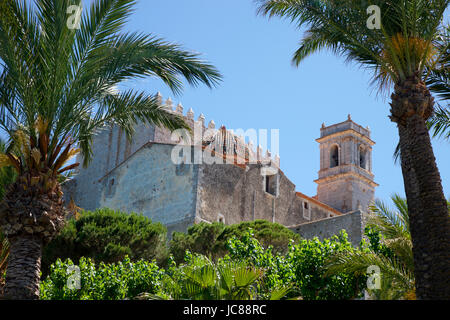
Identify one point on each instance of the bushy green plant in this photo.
(302, 267)
(211, 239)
(115, 281)
(267, 233)
(200, 238)
(108, 236)
(309, 259)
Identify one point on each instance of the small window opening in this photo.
(362, 158)
(271, 184)
(306, 211)
(334, 156)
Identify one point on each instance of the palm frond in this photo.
(392, 224)
(60, 76)
(439, 123)
(404, 44)
(394, 273)
(439, 74)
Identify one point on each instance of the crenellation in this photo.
(159, 98)
(201, 119)
(179, 109)
(259, 153)
(190, 114)
(277, 160)
(169, 104)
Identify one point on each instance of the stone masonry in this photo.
(141, 176)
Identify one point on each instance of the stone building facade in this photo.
(142, 176)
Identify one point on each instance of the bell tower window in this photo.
(334, 156)
(362, 158)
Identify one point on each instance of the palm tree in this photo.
(399, 53)
(438, 82)
(395, 261)
(58, 84)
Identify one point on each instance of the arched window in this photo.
(363, 158)
(334, 156)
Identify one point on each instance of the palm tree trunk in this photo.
(427, 206)
(23, 272)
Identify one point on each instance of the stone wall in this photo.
(238, 194)
(346, 192)
(148, 183)
(351, 222)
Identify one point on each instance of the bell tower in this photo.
(346, 181)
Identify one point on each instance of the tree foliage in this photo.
(302, 269)
(115, 281)
(105, 235)
(58, 82)
(211, 239)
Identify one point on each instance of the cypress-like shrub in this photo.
(105, 235)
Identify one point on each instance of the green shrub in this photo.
(116, 281)
(211, 239)
(309, 259)
(278, 272)
(200, 238)
(107, 236)
(303, 267)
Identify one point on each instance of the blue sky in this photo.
(262, 90)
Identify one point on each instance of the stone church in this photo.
(141, 176)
